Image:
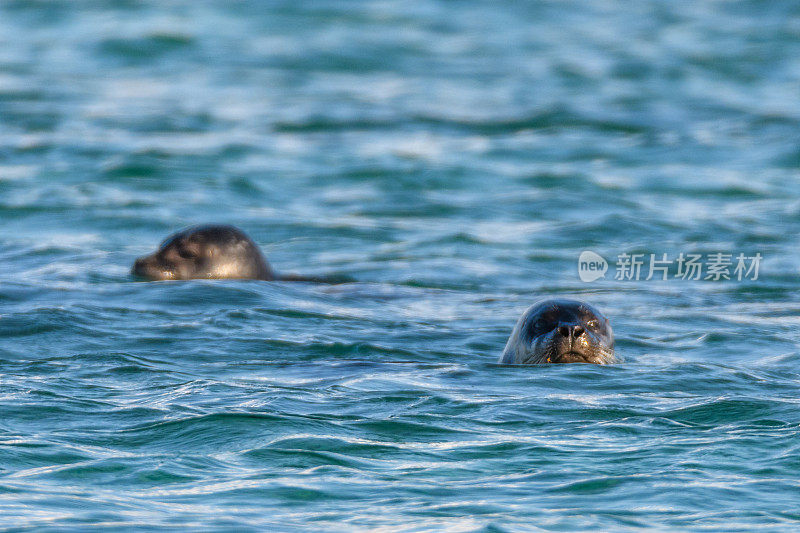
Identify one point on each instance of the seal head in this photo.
(205, 252)
(560, 331)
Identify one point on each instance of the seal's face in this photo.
(560, 331)
(205, 252)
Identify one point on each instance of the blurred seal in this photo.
(560, 331)
(205, 252)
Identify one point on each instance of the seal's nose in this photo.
(570, 331)
(138, 266)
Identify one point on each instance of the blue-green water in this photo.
(454, 159)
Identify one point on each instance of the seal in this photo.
(205, 252)
(560, 331)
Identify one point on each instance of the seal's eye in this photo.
(186, 254)
(594, 324)
(541, 326)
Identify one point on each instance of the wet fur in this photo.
(205, 252)
(532, 343)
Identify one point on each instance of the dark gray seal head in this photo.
(560, 331)
(205, 252)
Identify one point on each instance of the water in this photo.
(453, 159)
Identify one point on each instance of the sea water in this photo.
(451, 161)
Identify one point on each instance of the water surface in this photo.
(454, 159)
